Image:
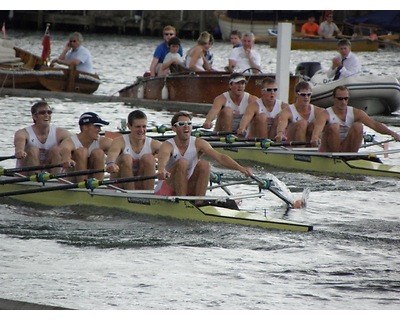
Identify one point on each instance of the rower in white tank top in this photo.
(344, 125)
(190, 154)
(94, 145)
(44, 148)
(146, 149)
(297, 117)
(270, 114)
(238, 110)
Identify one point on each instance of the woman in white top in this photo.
(195, 59)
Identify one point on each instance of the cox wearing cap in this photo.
(92, 118)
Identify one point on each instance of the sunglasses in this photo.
(169, 34)
(304, 94)
(182, 123)
(270, 89)
(342, 98)
(42, 112)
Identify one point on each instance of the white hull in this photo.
(375, 94)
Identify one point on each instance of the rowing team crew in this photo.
(335, 129)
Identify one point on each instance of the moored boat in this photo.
(298, 43)
(375, 94)
(27, 71)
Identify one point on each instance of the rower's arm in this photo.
(20, 139)
(215, 109)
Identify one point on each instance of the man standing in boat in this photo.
(162, 50)
(341, 126)
(86, 150)
(134, 154)
(245, 58)
(229, 106)
(328, 28)
(39, 144)
(346, 63)
(262, 114)
(296, 123)
(75, 54)
(180, 170)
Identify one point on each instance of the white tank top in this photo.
(146, 149)
(343, 125)
(297, 117)
(44, 148)
(241, 107)
(94, 145)
(190, 154)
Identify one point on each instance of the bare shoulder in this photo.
(253, 98)
(284, 105)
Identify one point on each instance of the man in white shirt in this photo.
(346, 63)
(328, 28)
(245, 58)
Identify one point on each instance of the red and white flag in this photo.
(46, 44)
(3, 29)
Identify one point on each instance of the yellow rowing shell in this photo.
(147, 203)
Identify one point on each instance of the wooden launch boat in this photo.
(194, 87)
(27, 71)
(298, 43)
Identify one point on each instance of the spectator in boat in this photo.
(181, 171)
(173, 61)
(296, 123)
(39, 144)
(245, 58)
(86, 150)
(328, 28)
(229, 106)
(310, 28)
(235, 37)
(76, 54)
(162, 50)
(208, 54)
(134, 154)
(340, 128)
(346, 63)
(195, 59)
(261, 117)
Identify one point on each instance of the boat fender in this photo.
(164, 92)
(140, 92)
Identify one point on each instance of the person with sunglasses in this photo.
(296, 123)
(39, 143)
(75, 53)
(162, 50)
(262, 114)
(134, 154)
(230, 106)
(340, 128)
(86, 150)
(181, 171)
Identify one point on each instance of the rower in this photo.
(340, 127)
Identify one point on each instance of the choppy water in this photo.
(69, 258)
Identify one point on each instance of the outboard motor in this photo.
(307, 69)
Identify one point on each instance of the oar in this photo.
(7, 157)
(261, 144)
(87, 184)
(157, 129)
(266, 184)
(32, 168)
(45, 176)
(204, 133)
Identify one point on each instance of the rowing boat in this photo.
(336, 163)
(215, 208)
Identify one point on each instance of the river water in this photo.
(69, 258)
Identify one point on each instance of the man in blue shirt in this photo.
(162, 50)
